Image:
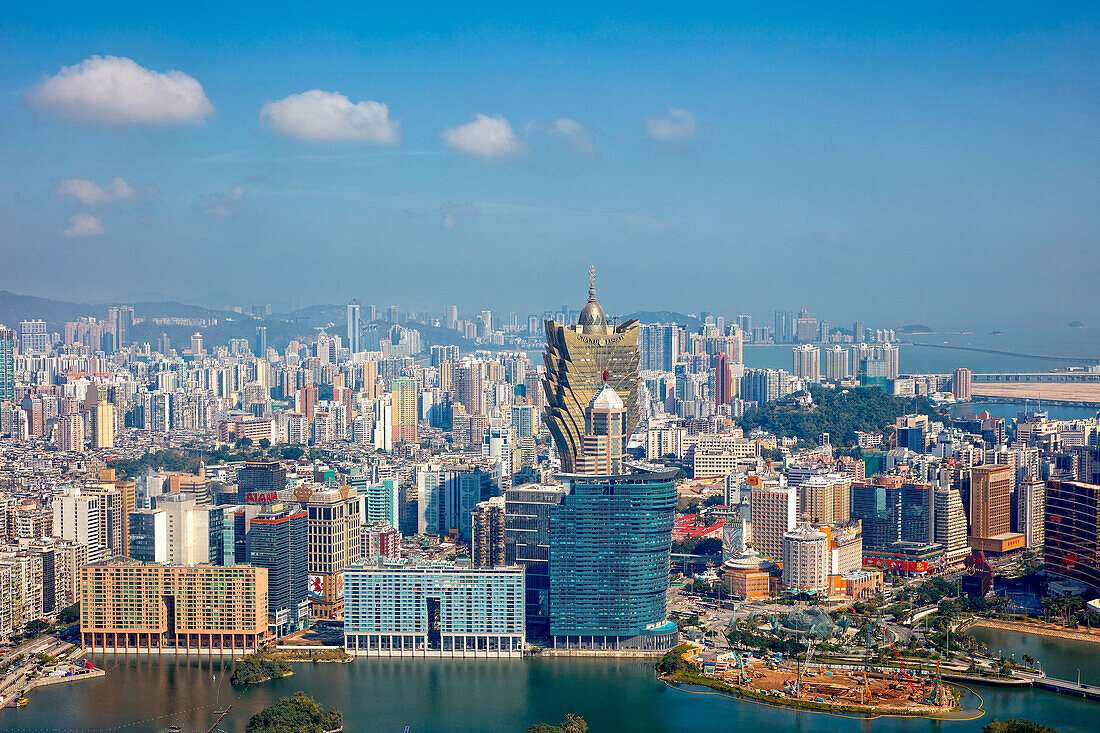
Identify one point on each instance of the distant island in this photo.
(1075, 324)
(916, 328)
(996, 333)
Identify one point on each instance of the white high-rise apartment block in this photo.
(836, 363)
(1031, 511)
(188, 529)
(76, 518)
(950, 523)
(807, 362)
(33, 338)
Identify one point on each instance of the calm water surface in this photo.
(1059, 658)
(464, 696)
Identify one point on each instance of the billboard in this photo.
(316, 587)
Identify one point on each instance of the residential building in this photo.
(807, 362)
(487, 541)
(1031, 512)
(960, 384)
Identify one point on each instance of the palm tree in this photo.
(1028, 660)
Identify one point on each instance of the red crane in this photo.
(904, 671)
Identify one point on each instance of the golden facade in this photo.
(579, 360)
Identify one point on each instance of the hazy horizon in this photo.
(927, 165)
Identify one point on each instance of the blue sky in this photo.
(930, 164)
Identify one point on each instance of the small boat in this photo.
(19, 702)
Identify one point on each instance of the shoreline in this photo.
(1053, 631)
(678, 680)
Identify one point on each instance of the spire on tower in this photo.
(591, 283)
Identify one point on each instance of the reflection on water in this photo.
(461, 696)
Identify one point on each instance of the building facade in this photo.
(134, 606)
(1073, 531)
(440, 609)
(610, 540)
(580, 360)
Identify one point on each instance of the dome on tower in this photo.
(592, 318)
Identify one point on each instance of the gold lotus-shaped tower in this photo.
(579, 361)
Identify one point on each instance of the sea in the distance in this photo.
(144, 695)
(922, 359)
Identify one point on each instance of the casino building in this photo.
(580, 361)
(611, 534)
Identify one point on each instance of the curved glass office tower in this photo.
(610, 540)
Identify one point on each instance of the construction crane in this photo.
(904, 670)
(932, 698)
(741, 663)
(805, 665)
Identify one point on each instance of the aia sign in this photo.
(261, 497)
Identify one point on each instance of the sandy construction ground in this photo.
(1083, 392)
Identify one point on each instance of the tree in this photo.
(265, 443)
(1014, 725)
(298, 714)
(70, 614)
(36, 627)
(244, 442)
(292, 452)
(571, 724)
(574, 724)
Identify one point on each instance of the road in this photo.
(15, 678)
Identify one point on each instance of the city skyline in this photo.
(889, 157)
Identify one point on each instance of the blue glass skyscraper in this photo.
(610, 540)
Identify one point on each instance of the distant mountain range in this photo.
(690, 322)
(15, 308)
(281, 328)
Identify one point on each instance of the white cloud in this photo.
(91, 193)
(486, 137)
(676, 127)
(83, 225)
(316, 115)
(574, 134)
(114, 91)
(223, 205)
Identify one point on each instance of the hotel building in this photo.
(401, 608)
(133, 606)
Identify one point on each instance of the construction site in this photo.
(800, 682)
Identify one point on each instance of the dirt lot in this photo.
(840, 687)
